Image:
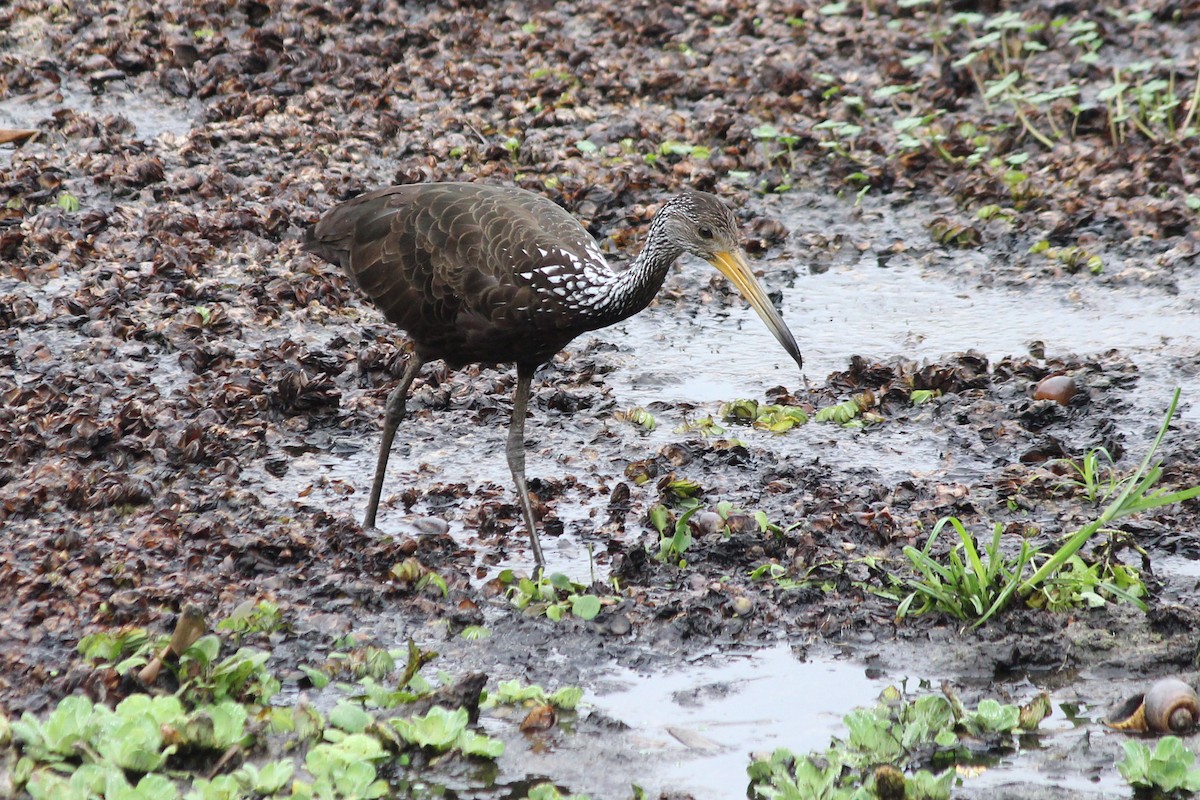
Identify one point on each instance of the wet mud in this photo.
(190, 406)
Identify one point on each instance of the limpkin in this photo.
(477, 273)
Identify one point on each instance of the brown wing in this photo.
(471, 272)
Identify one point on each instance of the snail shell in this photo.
(1059, 388)
(1170, 706)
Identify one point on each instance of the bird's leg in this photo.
(516, 459)
(395, 413)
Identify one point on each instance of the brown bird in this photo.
(477, 273)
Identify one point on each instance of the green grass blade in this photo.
(1116, 509)
(1121, 594)
(927, 566)
(1026, 556)
(972, 552)
(1160, 499)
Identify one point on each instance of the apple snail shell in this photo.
(1170, 706)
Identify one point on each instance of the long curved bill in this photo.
(733, 265)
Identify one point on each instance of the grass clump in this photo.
(974, 581)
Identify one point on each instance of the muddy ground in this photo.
(190, 405)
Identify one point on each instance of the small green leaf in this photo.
(437, 729)
(316, 677)
(350, 717)
(659, 516)
(474, 744)
(585, 606)
(946, 738)
(475, 632)
(566, 698)
(920, 396)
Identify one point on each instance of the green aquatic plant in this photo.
(967, 580)
(639, 417)
(134, 735)
(1080, 584)
(413, 572)
(706, 426)
(344, 767)
(773, 418)
(122, 650)
(265, 779)
(475, 633)
(1166, 770)
(242, 676)
(972, 578)
(95, 780)
(1072, 257)
(672, 546)
(786, 155)
(261, 617)
(1140, 492)
(157, 747)
(829, 575)
(682, 489)
(887, 746)
(553, 595)
(358, 661)
(440, 730)
(854, 412)
(68, 202)
(515, 693)
(548, 791)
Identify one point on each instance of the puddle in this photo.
(719, 354)
(750, 704)
(1074, 726)
(1016, 773)
(698, 727)
(150, 117)
(474, 460)
(1184, 570)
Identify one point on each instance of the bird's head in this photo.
(702, 225)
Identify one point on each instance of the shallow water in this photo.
(698, 726)
(150, 117)
(901, 310)
(749, 704)
(1183, 569)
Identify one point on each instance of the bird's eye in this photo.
(706, 232)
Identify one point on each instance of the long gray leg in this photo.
(516, 458)
(395, 413)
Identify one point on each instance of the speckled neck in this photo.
(632, 290)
